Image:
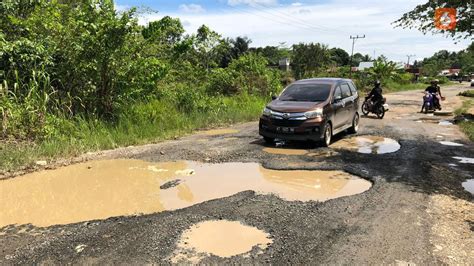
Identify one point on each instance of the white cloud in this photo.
(252, 2)
(330, 23)
(296, 4)
(191, 8)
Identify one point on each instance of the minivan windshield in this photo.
(306, 93)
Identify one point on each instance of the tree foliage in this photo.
(422, 18)
(309, 59)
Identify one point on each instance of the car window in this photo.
(346, 91)
(338, 93)
(306, 93)
(353, 88)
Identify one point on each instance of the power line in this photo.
(287, 18)
(298, 20)
(286, 23)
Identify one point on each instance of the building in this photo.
(365, 65)
(284, 64)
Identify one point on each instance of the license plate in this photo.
(286, 129)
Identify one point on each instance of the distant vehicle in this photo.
(312, 109)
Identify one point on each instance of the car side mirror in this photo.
(274, 97)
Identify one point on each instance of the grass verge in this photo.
(468, 104)
(140, 124)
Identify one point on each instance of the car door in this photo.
(355, 95)
(339, 118)
(349, 103)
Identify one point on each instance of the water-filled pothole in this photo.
(368, 145)
(465, 160)
(285, 151)
(220, 238)
(469, 186)
(102, 189)
(217, 132)
(450, 143)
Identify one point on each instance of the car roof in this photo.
(322, 80)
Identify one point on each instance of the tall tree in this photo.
(309, 59)
(339, 56)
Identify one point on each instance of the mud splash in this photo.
(103, 189)
(285, 151)
(217, 132)
(220, 238)
(368, 145)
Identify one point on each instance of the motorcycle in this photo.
(370, 106)
(429, 103)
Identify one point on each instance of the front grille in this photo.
(286, 122)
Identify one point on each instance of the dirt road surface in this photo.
(416, 211)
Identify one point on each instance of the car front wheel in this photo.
(326, 141)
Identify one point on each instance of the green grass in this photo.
(468, 93)
(142, 123)
(391, 86)
(466, 126)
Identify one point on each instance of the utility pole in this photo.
(408, 61)
(354, 38)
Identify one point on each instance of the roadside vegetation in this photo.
(78, 76)
(466, 110)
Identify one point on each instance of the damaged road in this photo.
(414, 210)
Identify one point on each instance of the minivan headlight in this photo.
(267, 112)
(314, 114)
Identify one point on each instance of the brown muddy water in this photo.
(368, 145)
(285, 151)
(220, 238)
(217, 132)
(108, 188)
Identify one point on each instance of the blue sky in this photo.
(272, 22)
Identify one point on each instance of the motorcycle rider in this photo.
(376, 94)
(435, 90)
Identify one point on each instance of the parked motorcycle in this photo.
(370, 106)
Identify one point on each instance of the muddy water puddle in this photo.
(368, 145)
(285, 151)
(220, 238)
(103, 189)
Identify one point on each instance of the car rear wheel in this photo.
(355, 124)
(327, 137)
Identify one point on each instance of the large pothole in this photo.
(368, 145)
(108, 188)
(219, 238)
